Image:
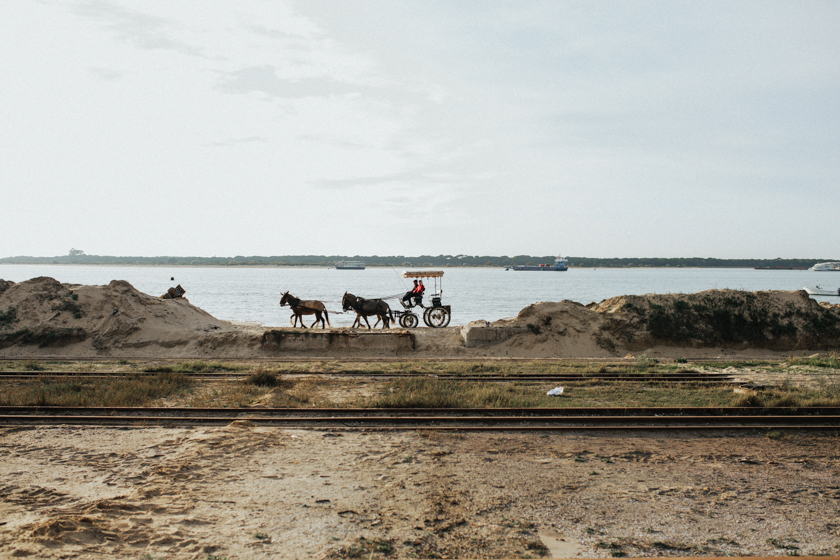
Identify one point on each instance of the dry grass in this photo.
(827, 394)
(197, 366)
(424, 392)
(117, 391)
(271, 386)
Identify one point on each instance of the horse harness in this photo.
(297, 302)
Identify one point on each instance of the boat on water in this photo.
(827, 266)
(560, 264)
(818, 291)
(350, 265)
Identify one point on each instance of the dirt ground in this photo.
(245, 492)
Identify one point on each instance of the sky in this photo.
(284, 127)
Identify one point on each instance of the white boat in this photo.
(818, 291)
(827, 266)
(350, 265)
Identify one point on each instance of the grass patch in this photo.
(436, 393)
(30, 365)
(122, 391)
(286, 390)
(828, 362)
(791, 396)
(197, 366)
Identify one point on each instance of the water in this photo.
(253, 294)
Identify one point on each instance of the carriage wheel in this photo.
(426, 316)
(409, 320)
(439, 317)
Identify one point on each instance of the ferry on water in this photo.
(350, 265)
(560, 264)
(819, 291)
(827, 266)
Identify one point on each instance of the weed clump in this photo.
(31, 365)
(43, 337)
(8, 317)
(197, 366)
(263, 378)
(69, 304)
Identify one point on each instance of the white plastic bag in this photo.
(556, 392)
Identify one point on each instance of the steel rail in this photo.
(565, 377)
(390, 359)
(425, 419)
(565, 412)
(405, 423)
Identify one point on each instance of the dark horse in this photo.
(364, 308)
(301, 308)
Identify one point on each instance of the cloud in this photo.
(264, 79)
(132, 26)
(236, 141)
(108, 74)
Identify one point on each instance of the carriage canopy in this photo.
(423, 274)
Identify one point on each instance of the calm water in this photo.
(253, 294)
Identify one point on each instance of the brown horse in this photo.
(364, 308)
(301, 308)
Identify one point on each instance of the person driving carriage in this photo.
(415, 294)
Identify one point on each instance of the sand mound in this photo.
(43, 313)
(772, 320)
(42, 317)
(555, 329)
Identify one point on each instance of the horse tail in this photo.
(327, 316)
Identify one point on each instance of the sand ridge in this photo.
(44, 318)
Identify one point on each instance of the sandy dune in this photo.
(43, 318)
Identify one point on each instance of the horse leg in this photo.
(317, 319)
(366, 321)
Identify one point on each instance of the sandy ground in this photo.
(246, 492)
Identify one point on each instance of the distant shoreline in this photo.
(78, 258)
(450, 267)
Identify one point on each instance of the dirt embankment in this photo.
(769, 321)
(42, 317)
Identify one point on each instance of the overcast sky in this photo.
(257, 127)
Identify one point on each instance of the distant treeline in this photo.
(402, 261)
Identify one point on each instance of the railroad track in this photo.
(686, 377)
(454, 419)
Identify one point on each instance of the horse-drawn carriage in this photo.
(436, 315)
